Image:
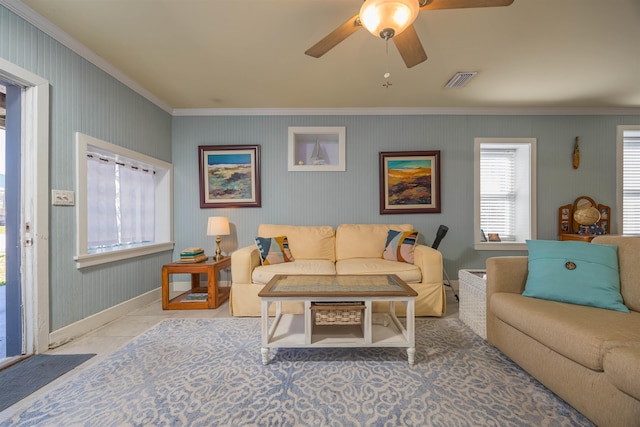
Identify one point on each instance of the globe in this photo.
(586, 216)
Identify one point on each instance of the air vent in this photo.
(461, 79)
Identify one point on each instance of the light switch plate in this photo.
(62, 198)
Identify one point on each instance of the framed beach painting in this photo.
(410, 182)
(229, 176)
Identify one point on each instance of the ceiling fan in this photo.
(393, 19)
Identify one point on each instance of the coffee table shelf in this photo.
(290, 333)
(337, 335)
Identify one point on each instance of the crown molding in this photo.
(402, 111)
(55, 32)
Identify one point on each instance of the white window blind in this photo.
(120, 203)
(497, 192)
(631, 182)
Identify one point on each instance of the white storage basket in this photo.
(473, 304)
(338, 313)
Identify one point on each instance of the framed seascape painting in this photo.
(410, 182)
(229, 176)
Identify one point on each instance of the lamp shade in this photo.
(386, 18)
(218, 226)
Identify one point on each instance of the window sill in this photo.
(88, 260)
(500, 246)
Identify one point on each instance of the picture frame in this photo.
(565, 219)
(317, 149)
(229, 176)
(605, 216)
(410, 182)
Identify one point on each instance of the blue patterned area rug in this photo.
(209, 372)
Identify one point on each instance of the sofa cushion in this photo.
(364, 240)
(264, 273)
(574, 272)
(621, 366)
(407, 272)
(305, 242)
(628, 250)
(581, 333)
(274, 250)
(400, 246)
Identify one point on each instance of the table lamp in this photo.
(218, 226)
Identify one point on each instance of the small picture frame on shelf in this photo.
(317, 149)
(565, 218)
(605, 215)
(494, 237)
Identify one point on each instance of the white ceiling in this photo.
(250, 54)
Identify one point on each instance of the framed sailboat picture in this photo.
(410, 182)
(316, 149)
(229, 176)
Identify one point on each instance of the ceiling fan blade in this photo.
(409, 46)
(462, 4)
(333, 38)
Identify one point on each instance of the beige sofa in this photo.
(588, 356)
(348, 249)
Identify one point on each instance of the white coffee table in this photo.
(291, 330)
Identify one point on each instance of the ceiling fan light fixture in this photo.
(386, 18)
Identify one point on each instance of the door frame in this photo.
(34, 212)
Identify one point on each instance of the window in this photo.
(629, 179)
(120, 203)
(504, 193)
(124, 203)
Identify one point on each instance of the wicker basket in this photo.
(337, 313)
(473, 295)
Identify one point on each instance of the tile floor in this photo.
(114, 335)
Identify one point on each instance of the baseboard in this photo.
(81, 327)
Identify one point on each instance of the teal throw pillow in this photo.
(574, 272)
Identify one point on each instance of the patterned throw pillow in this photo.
(400, 245)
(274, 250)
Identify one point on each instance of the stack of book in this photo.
(193, 255)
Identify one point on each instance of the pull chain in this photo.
(387, 74)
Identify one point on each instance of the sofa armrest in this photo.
(243, 261)
(504, 274)
(429, 261)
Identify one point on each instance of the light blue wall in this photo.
(83, 98)
(331, 198)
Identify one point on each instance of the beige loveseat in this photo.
(588, 356)
(348, 249)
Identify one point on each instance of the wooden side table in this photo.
(215, 295)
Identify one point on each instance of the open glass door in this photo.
(3, 260)
(10, 248)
